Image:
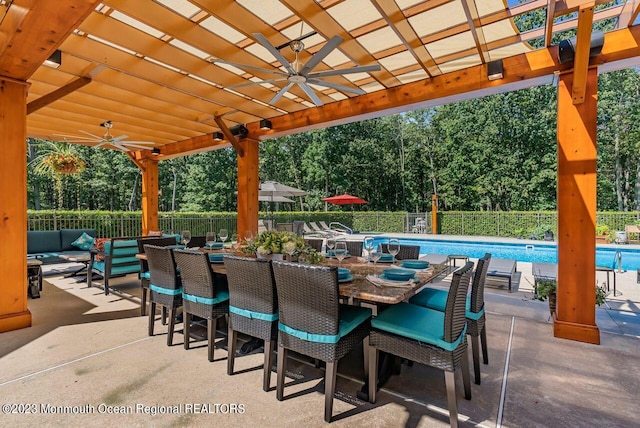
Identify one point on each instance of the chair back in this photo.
(298, 227)
(477, 287)
(407, 252)
(195, 271)
(455, 311)
(308, 298)
(251, 284)
(159, 241)
(316, 244)
(354, 248)
(197, 241)
(162, 267)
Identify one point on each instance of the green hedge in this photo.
(481, 223)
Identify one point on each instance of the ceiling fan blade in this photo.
(361, 69)
(321, 54)
(275, 52)
(311, 94)
(281, 92)
(251, 67)
(100, 144)
(257, 83)
(91, 135)
(135, 146)
(120, 138)
(342, 88)
(88, 140)
(71, 136)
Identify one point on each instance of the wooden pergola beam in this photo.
(45, 100)
(583, 47)
(229, 135)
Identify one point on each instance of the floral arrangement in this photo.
(273, 242)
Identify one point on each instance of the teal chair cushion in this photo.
(350, 318)
(221, 296)
(145, 275)
(417, 323)
(435, 298)
(117, 270)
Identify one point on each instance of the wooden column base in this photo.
(574, 331)
(15, 321)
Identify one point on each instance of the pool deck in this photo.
(87, 349)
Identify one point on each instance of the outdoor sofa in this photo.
(48, 245)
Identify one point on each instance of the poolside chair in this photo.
(202, 296)
(314, 243)
(320, 231)
(436, 298)
(143, 275)
(310, 232)
(407, 252)
(165, 286)
(501, 269)
(313, 323)
(426, 336)
(298, 227)
(253, 307)
(438, 259)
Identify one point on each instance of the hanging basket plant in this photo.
(65, 164)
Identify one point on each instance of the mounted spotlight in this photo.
(567, 48)
(494, 70)
(239, 131)
(155, 151)
(265, 124)
(55, 60)
(218, 136)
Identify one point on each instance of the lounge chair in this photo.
(310, 232)
(546, 271)
(499, 270)
(333, 230)
(317, 229)
(437, 259)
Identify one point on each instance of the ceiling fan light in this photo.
(296, 46)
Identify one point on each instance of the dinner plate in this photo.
(346, 278)
(399, 274)
(386, 278)
(415, 264)
(343, 272)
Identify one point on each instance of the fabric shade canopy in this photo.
(273, 188)
(344, 200)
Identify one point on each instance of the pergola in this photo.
(146, 65)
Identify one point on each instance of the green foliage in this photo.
(602, 229)
(544, 288)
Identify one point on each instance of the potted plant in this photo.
(545, 289)
(275, 245)
(602, 234)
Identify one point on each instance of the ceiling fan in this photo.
(299, 74)
(108, 139)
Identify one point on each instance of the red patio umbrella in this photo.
(344, 200)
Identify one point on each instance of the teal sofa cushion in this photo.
(43, 241)
(417, 323)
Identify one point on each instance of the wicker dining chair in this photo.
(354, 248)
(253, 307)
(314, 243)
(201, 295)
(436, 298)
(427, 336)
(407, 252)
(144, 265)
(164, 285)
(313, 323)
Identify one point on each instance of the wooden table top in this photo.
(360, 288)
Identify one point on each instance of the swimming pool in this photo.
(524, 252)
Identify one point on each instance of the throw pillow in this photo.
(84, 242)
(98, 245)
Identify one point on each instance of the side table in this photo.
(34, 278)
(77, 258)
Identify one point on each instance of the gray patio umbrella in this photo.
(264, 198)
(273, 189)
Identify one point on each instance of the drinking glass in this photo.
(330, 244)
(394, 248)
(368, 246)
(186, 237)
(375, 255)
(341, 251)
(210, 239)
(224, 234)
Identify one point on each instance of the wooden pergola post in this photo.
(577, 153)
(14, 313)
(434, 214)
(150, 188)
(248, 187)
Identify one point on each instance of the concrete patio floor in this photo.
(92, 351)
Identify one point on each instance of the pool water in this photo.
(525, 252)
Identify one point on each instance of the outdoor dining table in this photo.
(359, 289)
